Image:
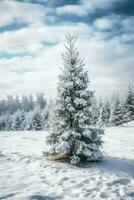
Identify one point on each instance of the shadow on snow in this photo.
(112, 164)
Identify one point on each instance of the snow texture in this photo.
(25, 174)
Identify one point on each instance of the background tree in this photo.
(129, 105)
(37, 121)
(16, 112)
(94, 111)
(116, 117)
(104, 114)
(16, 121)
(41, 101)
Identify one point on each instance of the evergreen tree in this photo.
(104, 114)
(2, 123)
(41, 101)
(23, 122)
(9, 122)
(16, 121)
(102, 119)
(116, 117)
(94, 111)
(108, 112)
(129, 106)
(70, 136)
(45, 116)
(29, 117)
(37, 121)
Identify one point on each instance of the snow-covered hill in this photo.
(26, 175)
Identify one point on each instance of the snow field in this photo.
(26, 175)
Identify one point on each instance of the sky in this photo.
(32, 33)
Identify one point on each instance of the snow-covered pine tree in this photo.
(101, 120)
(29, 118)
(9, 122)
(41, 101)
(70, 136)
(104, 115)
(45, 115)
(16, 125)
(108, 113)
(129, 105)
(94, 111)
(2, 123)
(37, 121)
(22, 120)
(116, 117)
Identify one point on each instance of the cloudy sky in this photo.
(32, 35)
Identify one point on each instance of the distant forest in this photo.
(25, 113)
(29, 113)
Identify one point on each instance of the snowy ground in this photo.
(26, 175)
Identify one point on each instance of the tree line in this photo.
(117, 110)
(29, 113)
(25, 113)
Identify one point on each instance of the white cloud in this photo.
(95, 4)
(110, 64)
(11, 11)
(31, 39)
(103, 23)
(71, 9)
(31, 74)
(85, 7)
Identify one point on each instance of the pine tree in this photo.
(29, 118)
(129, 105)
(16, 121)
(37, 121)
(108, 113)
(70, 136)
(2, 123)
(41, 101)
(9, 122)
(22, 115)
(102, 119)
(116, 117)
(104, 114)
(94, 111)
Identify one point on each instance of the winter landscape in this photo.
(67, 100)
